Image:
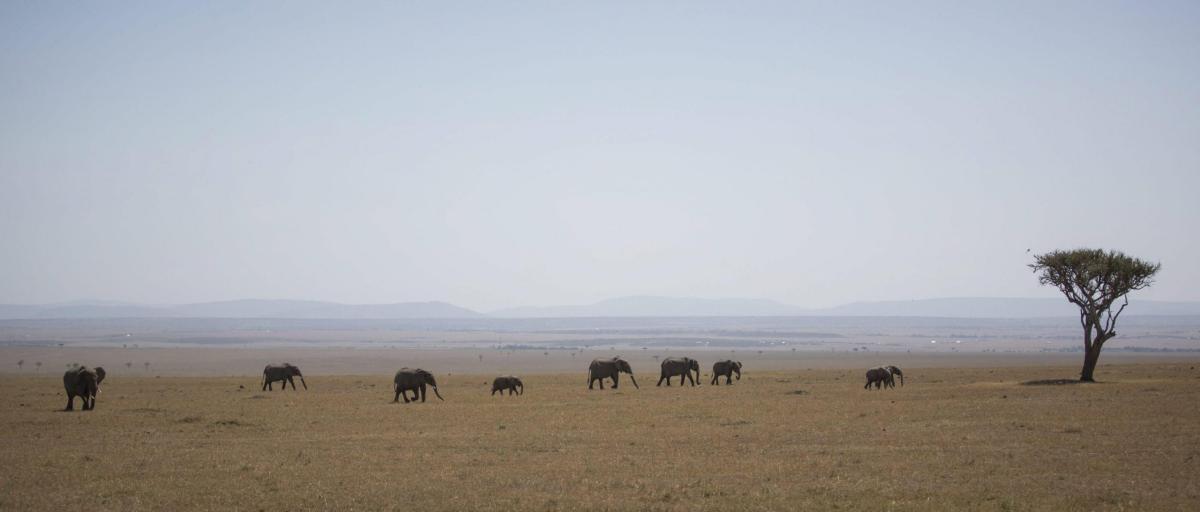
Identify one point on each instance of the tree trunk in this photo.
(1091, 356)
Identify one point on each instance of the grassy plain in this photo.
(950, 439)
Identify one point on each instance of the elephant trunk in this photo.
(635, 386)
(302, 383)
(439, 395)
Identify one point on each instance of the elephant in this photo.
(879, 376)
(283, 372)
(601, 369)
(83, 383)
(510, 383)
(726, 369)
(681, 366)
(415, 380)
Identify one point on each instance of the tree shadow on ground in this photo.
(1054, 382)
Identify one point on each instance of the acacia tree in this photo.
(1093, 280)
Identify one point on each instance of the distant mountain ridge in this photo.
(643, 305)
(956, 307)
(247, 308)
(998, 307)
(633, 306)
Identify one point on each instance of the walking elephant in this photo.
(85, 384)
(681, 366)
(509, 383)
(601, 369)
(879, 376)
(726, 369)
(415, 380)
(281, 372)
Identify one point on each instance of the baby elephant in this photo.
(726, 369)
(510, 383)
(83, 383)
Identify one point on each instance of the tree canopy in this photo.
(1093, 280)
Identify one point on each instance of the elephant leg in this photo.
(404, 393)
(617, 381)
(70, 402)
(660, 379)
(493, 391)
(397, 397)
(728, 379)
(690, 379)
(512, 391)
(422, 389)
(265, 382)
(601, 381)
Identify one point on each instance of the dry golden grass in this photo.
(949, 440)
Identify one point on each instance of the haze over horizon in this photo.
(495, 156)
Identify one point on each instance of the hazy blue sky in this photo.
(504, 153)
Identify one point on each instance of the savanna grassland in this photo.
(950, 439)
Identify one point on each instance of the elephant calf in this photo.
(726, 369)
(83, 383)
(509, 383)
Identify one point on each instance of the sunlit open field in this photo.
(950, 439)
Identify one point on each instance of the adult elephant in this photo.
(83, 383)
(510, 384)
(879, 376)
(681, 366)
(281, 372)
(726, 369)
(601, 369)
(415, 380)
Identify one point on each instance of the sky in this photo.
(500, 154)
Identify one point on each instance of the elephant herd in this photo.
(85, 383)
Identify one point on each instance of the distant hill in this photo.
(250, 308)
(635, 306)
(646, 306)
(960, 307)
(989, 307)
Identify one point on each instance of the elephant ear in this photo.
(99, 375)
